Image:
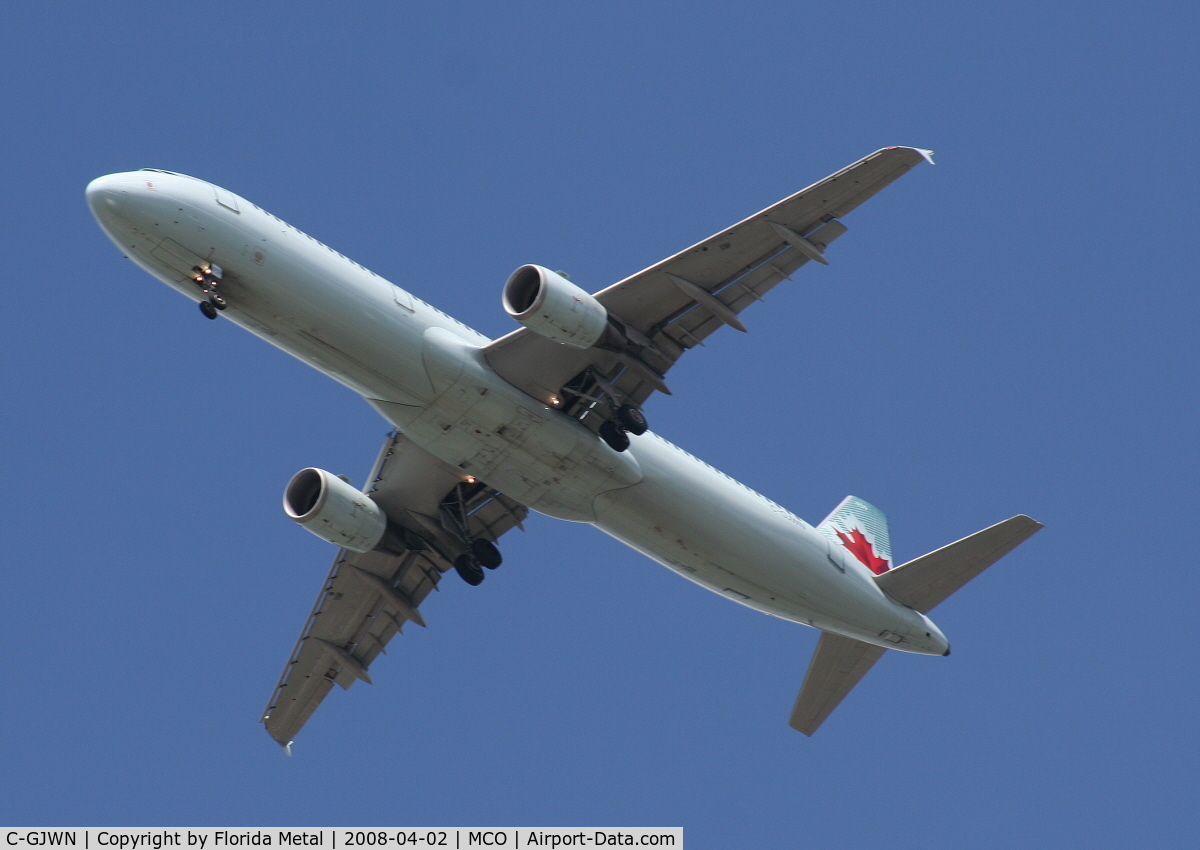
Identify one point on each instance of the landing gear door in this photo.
(178, 258)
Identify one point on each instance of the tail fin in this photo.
(863, 529)
(840, 662)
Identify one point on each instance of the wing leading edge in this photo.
(368, 597)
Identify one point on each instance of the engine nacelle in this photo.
(551, 305)
(334, 511)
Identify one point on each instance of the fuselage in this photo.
(426, 374)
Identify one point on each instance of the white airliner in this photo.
(548, 418)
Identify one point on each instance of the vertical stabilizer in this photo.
(863, 530)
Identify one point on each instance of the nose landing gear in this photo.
(207, 277)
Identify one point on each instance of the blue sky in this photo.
(1011, 331)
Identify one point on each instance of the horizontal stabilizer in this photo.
(927, 581)
(836, 667)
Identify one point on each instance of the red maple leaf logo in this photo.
(862, 549)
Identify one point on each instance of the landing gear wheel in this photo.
(217, 301)
(631, 419)
(468, 570)
(612, 434)
(209, 311)
(486, 553)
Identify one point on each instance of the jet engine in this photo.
(334, 511)
(549, 304)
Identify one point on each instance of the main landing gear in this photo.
(611, 433)
(616, 433)
(469, 570)
(207, 277)
(593, 391)
(632, 419)
(486, 553)
(480, 553)
(469, 565)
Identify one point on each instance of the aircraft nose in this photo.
(104, 197)
(121, 203)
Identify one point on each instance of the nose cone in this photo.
(127, 204)
(97, 190)
(104, 197)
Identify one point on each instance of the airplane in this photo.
(548, 418)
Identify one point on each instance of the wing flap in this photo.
(836, 667)
(350, 625)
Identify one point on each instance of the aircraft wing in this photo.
(672, 306)
(369, 596)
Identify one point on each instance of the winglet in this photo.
(925, 153)
(287, 748)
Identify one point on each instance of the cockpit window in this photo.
(159, 171)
